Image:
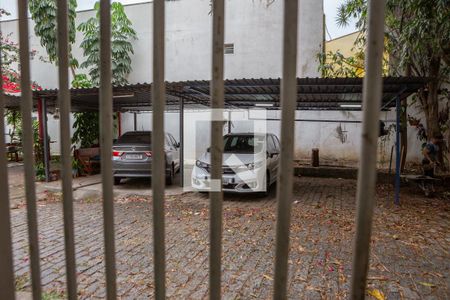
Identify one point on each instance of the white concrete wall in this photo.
(253, 27)
(308, 135)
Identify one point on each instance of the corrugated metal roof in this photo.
(313, 94)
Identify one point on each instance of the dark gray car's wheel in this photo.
(169, 177)
(117, 180)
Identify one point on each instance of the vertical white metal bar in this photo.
(106, 138)
(27, 138)
(66, 160)
(372, 93)
(159, 162)
(285, 177)
(6, 255)
(216, 194)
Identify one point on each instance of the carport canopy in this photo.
(338, 94)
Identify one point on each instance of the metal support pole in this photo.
(45, 141)
(66, 159)
(6, 255)
(286, 172)
(181, 141)
(159, 160)
(106, 138)
(397, 151)
(27, 126)
(135, 121)
(217, 104)
(229, 121)
(372, 95)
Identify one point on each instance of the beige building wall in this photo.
(343, 44)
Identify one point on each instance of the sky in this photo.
(330, 8)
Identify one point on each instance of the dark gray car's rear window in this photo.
(135, 138)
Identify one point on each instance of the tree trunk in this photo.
(72, 69)
(448, 136)
(432, 111)
(404, 126)
(432, 105)
(432, 101)
(403, 133)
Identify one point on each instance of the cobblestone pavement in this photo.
(16, 182)
(409, 257)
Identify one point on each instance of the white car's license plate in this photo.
(134, 156)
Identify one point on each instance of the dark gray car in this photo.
(132, 156)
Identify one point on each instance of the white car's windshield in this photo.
(243, 144)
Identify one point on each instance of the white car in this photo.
(250, 164)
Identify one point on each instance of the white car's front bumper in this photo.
(248, 181)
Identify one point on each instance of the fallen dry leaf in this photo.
(268, 277)
(377, 294)
(427, 284)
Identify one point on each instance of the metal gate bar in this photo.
(286, 171)
(159, 160)
(217, 104)
(27, 131)
(106, 137)
(66, 160)
(6, 255)
(372, 88)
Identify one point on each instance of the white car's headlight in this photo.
(256, 165)
(201, 164)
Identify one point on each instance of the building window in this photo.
(229, 48)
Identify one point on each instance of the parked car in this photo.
(132, 156)
(250, 164)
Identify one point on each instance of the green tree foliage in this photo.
(335, 64)
(122, 34)
(86, 129)
(86, 123)
(418, 42)
(81, 81)
(44, 15)
(14, 119)
(9, 51)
